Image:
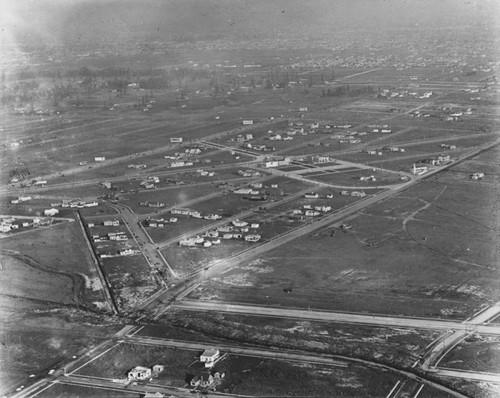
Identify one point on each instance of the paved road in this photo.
(444, 344)
(366, 319)
(470, 375)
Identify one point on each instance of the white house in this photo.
(252, 238)
(51, 212)
(209, 356)
(139, 373)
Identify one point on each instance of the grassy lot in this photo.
(51, 265)
(171, 230)
(117, 362)
(246, 375)
(426, 252)
(130, 279)
(398, 347)
(35, 343)
(175, 196)
(352, 178)
(73, 391)
(476, 353)
(185, 260)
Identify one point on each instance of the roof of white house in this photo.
(210, 352)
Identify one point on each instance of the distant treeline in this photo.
(347, 90)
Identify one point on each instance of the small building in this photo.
(158, 368)
(209, 356)
(156, 394)
(139, 373)
(247, 122)
(51, 212)
(477, 176)
(99, 158)
(321, 159)
(111, 223)
(243, 191)
(311, 195)
(176, 139)
(252, 238)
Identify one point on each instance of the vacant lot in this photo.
(357, 178)
(73, 391)
(399, 347)
(51, 265)
(130, 279)
(117, 362)
(427, 252)
(476, 353)
(33, 344)
(176, 196)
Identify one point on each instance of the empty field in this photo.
(428, 245)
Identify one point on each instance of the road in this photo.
(339, 317)
(242, 215)
(219, 266)
(142, 239)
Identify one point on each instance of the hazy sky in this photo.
(69, 20)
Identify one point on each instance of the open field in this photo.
(130, 279)
(387, 345)
(353, 178)
(34, 344)
(427, 245)
(73, 391)
(185, 260)
(245, 375)
(116, 363)
(51, 265)
(477, 353)
(175, 196)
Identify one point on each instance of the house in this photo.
(270, 164)
(247, 122)
(321, 159)
(419, 170)
(477, 176)
(106, 184)
(158, 368)
(209, 356)
(311, 195)
(243, 191)
(126, 252)
(252, 238)
(153, 179)
(176, 139)
(99, 159)
(139, 373)
(239, 223)
(156, 394)
(51, 212)
(111, 223)
(5, 228)
(359, 194)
